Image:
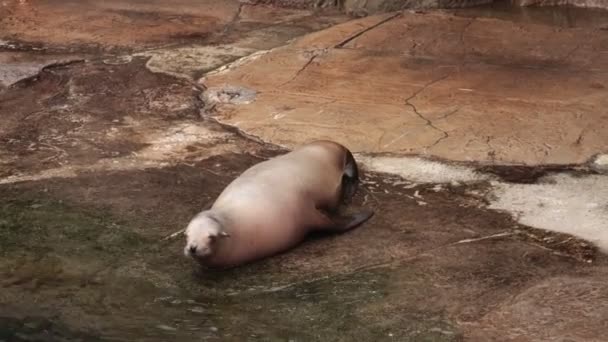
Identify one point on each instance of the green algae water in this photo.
(74, 274)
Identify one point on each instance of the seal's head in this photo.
(202, 234)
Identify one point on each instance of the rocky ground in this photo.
(480, 134)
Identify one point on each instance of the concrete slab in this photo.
(439, 85)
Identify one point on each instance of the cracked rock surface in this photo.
(113, 137)
(433, 84)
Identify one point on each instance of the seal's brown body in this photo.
(273, 205)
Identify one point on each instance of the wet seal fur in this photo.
(273, 205)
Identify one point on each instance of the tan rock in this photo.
(434, 84)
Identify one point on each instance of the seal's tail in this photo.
(350, 179)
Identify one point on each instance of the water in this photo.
(559, 16)
(72, 274)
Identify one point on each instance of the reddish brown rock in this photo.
(112, 24)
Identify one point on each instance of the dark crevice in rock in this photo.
(63, 64)
(237, 16)
(421, 116)
(463, 42)
(311, 59)
(360, 33)
(524, 174)
(207, 109)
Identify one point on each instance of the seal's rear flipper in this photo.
(343, 223)
(321, 220)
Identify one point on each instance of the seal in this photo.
(275, 204)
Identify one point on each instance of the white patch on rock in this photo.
(420, 170)
(172, 142)
(118, 60)
(12, 73)
(600, 163)
(185, 61)
(560, 203)
(229, 94)
(16, 66)
(237, 63)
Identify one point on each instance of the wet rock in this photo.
(105, 103)
(577, 3)
(364, 7)
(360, 7)
(529, 315)
(520, 173)
(298, 3)
(558, 16)
(39, 329)
(410, 280)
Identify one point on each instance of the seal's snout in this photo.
(191, 251)
(197, 251)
